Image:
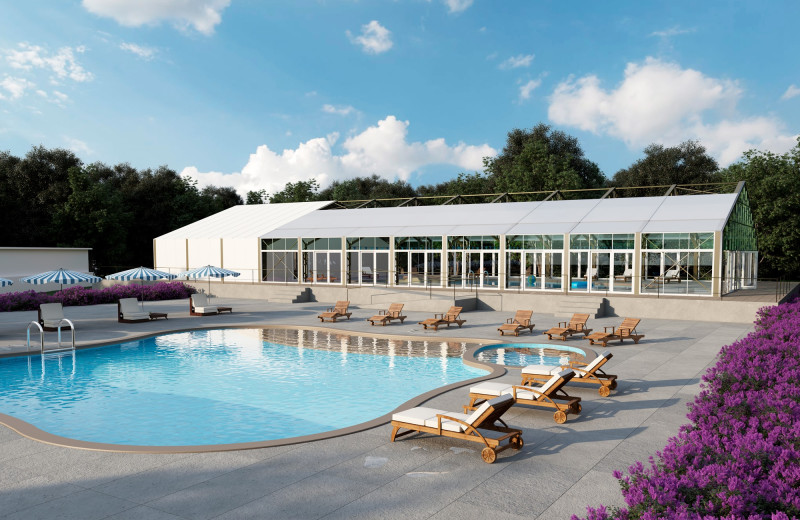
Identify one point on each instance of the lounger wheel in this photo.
(613, 384)
(604, 391)
(517, 443)
(488, 455)
(560, 417)
(577, 408)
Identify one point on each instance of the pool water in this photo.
(523, 354)
(223, 386)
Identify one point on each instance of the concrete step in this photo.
(593, 306)
(279, 294)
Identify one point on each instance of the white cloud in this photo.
(672, 31)
(515, 62)
(527, 89)
(791, 92)
(374, 38)
(77, 146)
(15, 87)
(456, 6)
(341, 110)
(660, 102)
(382, 149)
(63, 64)
(203, 15)
(146, 53)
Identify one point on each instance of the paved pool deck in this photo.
(560, 470)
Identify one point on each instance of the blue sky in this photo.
(255, 94)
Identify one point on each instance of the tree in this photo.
(300, 191)
(687, 163)
(464, 184)
(541, 159)
(363, 188)
(256, 197)
(773, 187)
(216, 199)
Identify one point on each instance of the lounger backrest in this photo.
(628, 272)
(598, 362)
(578, 320)
(453, 313)
(523, 317)
(672, 272)
(129, 305)
(628, 325)
(495, 408)
(199, 300)
(395, 309)
(341, 306)
(556, 381)
(51, 311)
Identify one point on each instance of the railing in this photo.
(41, 335)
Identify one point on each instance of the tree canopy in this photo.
(687, 163)
(773, 187)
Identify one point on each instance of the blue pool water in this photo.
(522, 354)
(223, 386)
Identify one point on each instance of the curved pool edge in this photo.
(32, 432)
(590, 354)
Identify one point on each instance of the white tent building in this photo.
(698, 245)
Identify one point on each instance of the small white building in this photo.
(19, 262)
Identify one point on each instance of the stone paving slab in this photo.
(560, 470)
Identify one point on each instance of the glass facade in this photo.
(279, 260)
(322, 260)
(367, 260)
(473, 261)
(601, 262)
(418, 261)
(534, 262)
(677, 263)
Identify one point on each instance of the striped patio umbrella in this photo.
(141, 274)
(61, 276)
(5, 281)
(208, 271)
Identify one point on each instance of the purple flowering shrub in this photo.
(739, 457)
(74, 296)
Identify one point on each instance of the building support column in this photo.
(636, 262)
(716, 270)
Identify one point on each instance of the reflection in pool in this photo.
(224, 386)
(522, 354)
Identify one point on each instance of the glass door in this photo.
(599, 275)
(533, 270)
(455, 268)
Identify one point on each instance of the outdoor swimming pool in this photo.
(224, 386)
(523, 354)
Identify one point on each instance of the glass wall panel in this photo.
(513, 270)
(353, 267)
(401, 267)
(553, 270)
(528, 261)
(578, 267)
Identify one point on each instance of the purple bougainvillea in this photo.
(739, 456)
(74, 296)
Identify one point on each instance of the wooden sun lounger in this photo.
(520, 321)
(479, 426)
(393, 313)
(625, 276)
(337, 311)
(447, 318)
(625, 331)
(575, 325)
(550, 395)
(673, 274)
(584, 373)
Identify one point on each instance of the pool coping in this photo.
(32, 432)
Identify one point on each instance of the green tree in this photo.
(256, 197)
(214, 199)
(300, 191)
(773, 186)
(541, 159)
(464, 184)
(362, 188)
(687, 163)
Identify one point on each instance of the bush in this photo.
(739, 457)
(77, 296)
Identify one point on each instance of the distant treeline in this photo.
(51, 198)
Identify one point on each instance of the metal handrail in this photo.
(72, 328)
(41, 334)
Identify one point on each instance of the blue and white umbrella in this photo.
(5, 281)
(141, 274)
(208, 271)
(61, 276)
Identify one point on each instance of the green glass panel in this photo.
(603, 241)
(291, 244)
(367, 243)
(351, 242)
(533, 242)
(556, 241)
(624, 240)
(653, 241)
(475, 242)
(514, 241)
(739, 232)
(455, 243)
(435, 242)
(308, 244)
(382, 243)
(334, 243)
(491, 242)
(579, 241)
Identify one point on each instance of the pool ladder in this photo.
(41, 336)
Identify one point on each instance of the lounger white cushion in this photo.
(447, 424)
(491, 388)
(200, 302)
(131, 310)
(417, 415)
(596, 361)
(206, 310)
(541, 370)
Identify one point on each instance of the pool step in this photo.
(593, 306)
